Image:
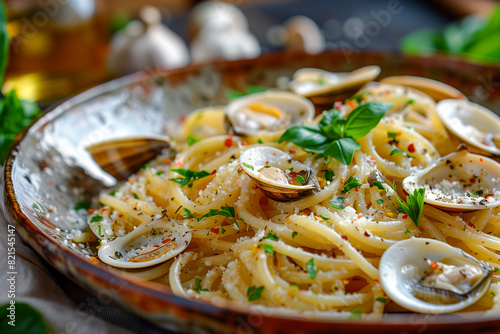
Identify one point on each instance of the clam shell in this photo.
(253, 161)
(293, 109)
(435, 89)
(125, 252)
(446, 178)
(404, 264)
(123, 157)
(470, 123)
(311, 82)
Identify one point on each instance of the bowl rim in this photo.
(390, 322)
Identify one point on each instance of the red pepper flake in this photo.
(373, 160)
(359, 216)
(489, 195)
(182, 119)
(120, 215)
(215, 230)
(351, 104)
(405, 216)
(368, 206)
(136, 175)
(240, 169)
(156, 246)
(337, 104)
(434, 265)
(89, 211)
(462, 180)
(167, 161)
(472, 180)
(287, 216)
(51, 182)
(105, 209)
(292, 151)
(404, 192)
(244, 143)
(342, 180)
(229, 141)
(131, 181)
(267, 162)
(367, 234)
(357, 188)
(481, 159)
(411, 148)
(166, 240)
(344, 237)
(274, 153)
(213, 172)
(180, 163)
(471, 225)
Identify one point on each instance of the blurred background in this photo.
(61, 47)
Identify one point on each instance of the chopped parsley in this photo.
(414, 204)
(271, 236)
(198, 289)
(248, 166)
(268, 249)
(254, 293)
(160, 172)
(379, 201)
(329, 174)
(311, 268)
(113, 192)
(187, 213)
(397, 150)
(381, 299)
(350, 184)
(135, 196)
(407, 231)
(324, 218)
(300, 179)
(295, 233)
(96, 219)
(260, 141)
(355, 314)
(189, 176)
(226, 211)
(392, 135)
(337, 202)
(192, 140)
(379, 185)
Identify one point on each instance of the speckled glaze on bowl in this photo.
(48, 172)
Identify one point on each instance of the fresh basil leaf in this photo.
(342, 150)
(28, 320)
(4, 41)
(364, 118)
(331, 116)
(308, 137)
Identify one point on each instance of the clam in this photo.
(430, 276)
(459, 181)
(147, 245)
(310, 82)
(268, 112)
(278, 176)
(471, 123)
(122, 157)
(435, 89)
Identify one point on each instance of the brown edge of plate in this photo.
(151, 301)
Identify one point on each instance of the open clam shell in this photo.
(278, 176)
(122, 157)
(435, 89)
(406, 266)
(471, 123)
(311, 82)
(268, 112)
(459, 181)
(147, 245)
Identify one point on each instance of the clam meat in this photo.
(429, 276)
(472, 124)
(278, 176)
(268, 112)
(147, 245)
(459, 181)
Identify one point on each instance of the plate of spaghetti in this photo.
(288, 193)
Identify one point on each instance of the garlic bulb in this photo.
(146, 44)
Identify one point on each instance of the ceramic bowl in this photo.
(49, 171)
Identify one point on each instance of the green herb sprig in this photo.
(226, 211)
(189, 176)
(336, 136)
(414, 204)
